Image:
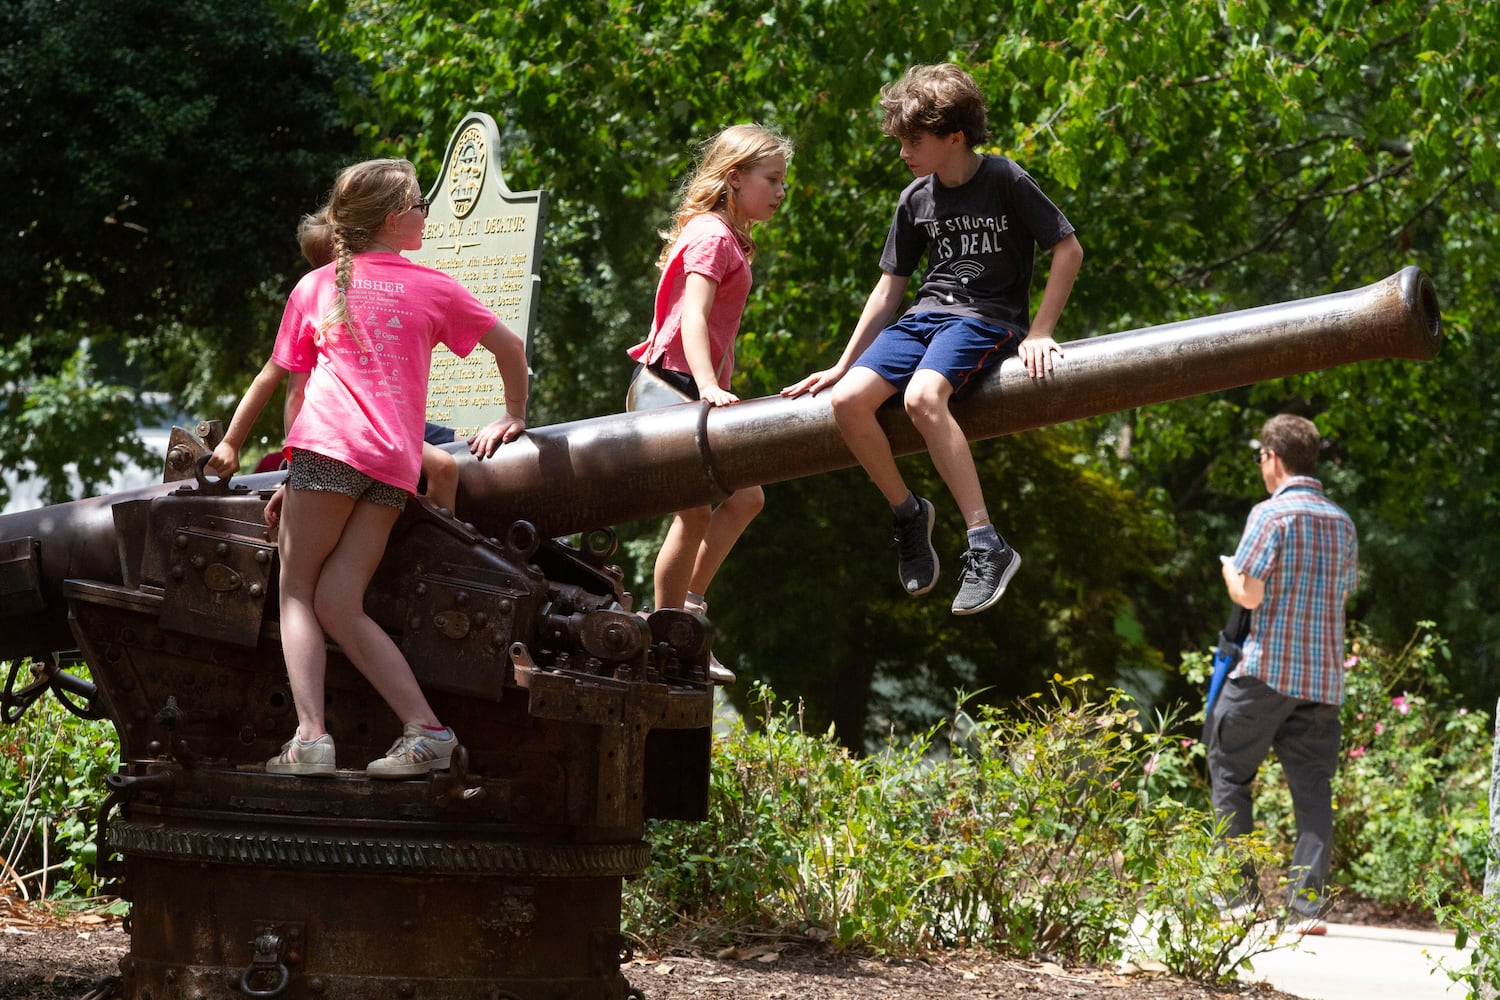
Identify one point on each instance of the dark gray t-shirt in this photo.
(979, 239)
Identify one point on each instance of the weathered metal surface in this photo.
(234, 931)
(613, 469)
(501, 877)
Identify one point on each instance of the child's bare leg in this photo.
(340, 604)
(679, 550)
(728, 521)
(988, 563)
(855, 399)
(310, 531)
(441, 471)
(926, 400)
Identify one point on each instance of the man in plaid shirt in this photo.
(1295, 566)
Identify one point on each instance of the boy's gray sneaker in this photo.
(313, 759)
(982, 578)
(919, 561)
(416, 752)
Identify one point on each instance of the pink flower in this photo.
(1399, 703)
(1356, 753)
(1151, 763)
(1351, 662)
(1379, 728)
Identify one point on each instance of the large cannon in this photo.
(500, 878)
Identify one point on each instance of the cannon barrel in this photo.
(608, 470)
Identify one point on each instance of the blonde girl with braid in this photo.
(439, 467)
(357, 338)
(740, 180)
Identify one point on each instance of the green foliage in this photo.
(52, 770)
(1430, 823)
(65, 422)
(1249, 158)
(1475, 919)
(1042, 833)
(156, 157)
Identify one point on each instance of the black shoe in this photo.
(919, 561)
(982, 579)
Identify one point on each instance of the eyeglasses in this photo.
(1265, 453)
(422, 205)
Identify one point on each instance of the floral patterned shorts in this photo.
(311, 471)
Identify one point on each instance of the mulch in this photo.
(52, 954)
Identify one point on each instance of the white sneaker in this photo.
(311, 759)
(717, 672)
(417, 751)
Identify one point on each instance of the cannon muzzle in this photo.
(608, 470)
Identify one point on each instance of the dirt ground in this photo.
(47, 957)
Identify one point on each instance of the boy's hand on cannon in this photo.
(1036, 353)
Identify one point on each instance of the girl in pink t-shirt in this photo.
(705, 264)
(357, 338)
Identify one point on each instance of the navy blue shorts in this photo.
(957, 347)
(438, 434)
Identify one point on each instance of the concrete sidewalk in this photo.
(1363, 963)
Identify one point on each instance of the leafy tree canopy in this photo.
(156, 157)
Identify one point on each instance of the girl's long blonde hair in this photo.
(738, 147)
(364, 195)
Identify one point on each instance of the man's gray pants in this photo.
(1249, 719)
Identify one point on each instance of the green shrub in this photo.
(1475, 919)
(52, 771)
(1412, 791)
(1049, 832)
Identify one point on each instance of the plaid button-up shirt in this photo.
(1303, 546)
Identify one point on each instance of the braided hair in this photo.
(364, 196)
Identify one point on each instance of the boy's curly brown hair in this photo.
(939, 99)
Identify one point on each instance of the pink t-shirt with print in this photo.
(366, 398)
(706, 246)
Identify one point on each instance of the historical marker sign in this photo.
(490, 239)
